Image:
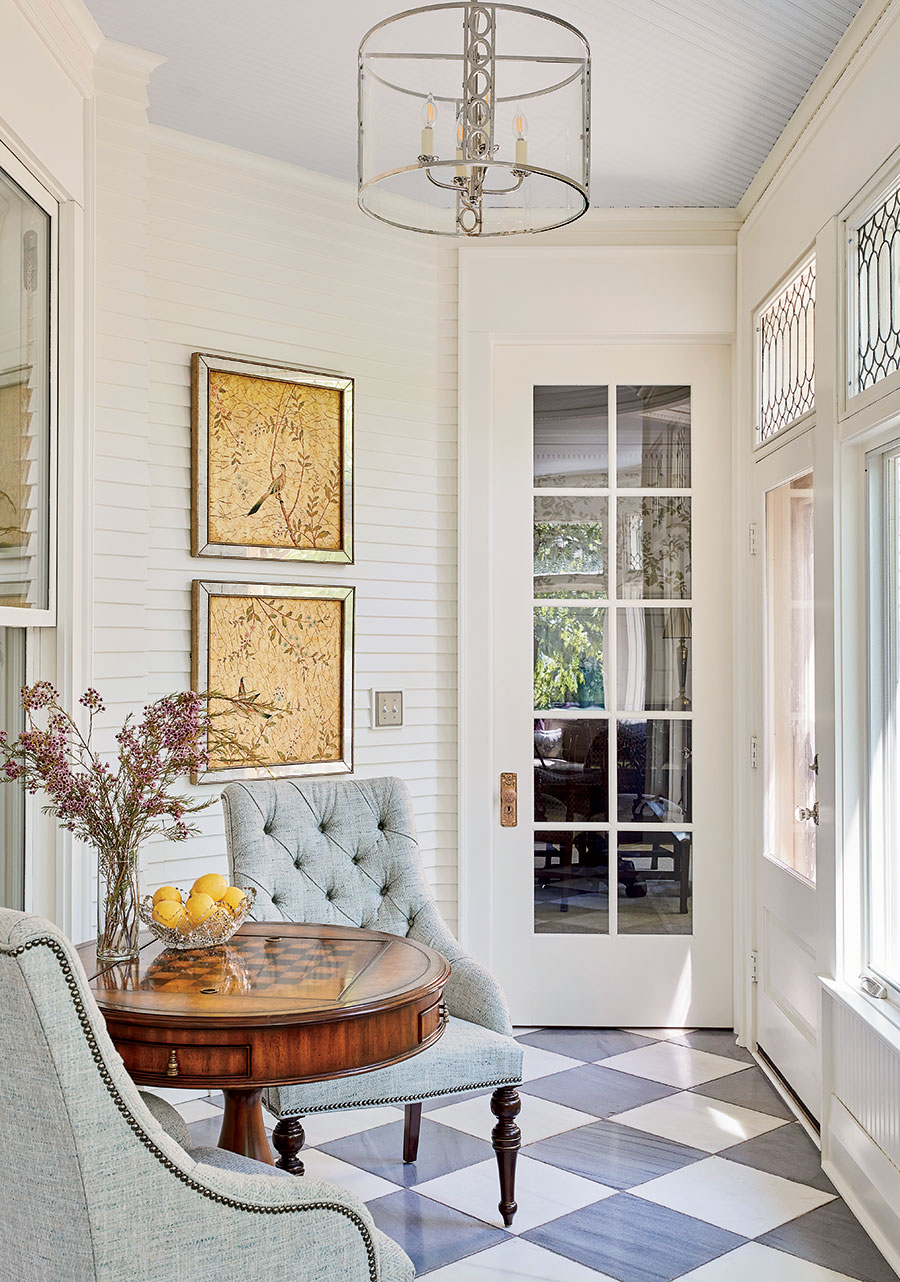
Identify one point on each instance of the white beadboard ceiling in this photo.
(688, 95)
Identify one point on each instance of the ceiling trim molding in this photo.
(69, 33)
(127, 59)
(847, 60)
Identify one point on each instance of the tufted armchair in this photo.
(345, 852)
(98, 1181)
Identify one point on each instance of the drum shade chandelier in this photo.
(474, 120)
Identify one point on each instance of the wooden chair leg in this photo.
(412, 1122)
(507, 1140)
(288, 1138)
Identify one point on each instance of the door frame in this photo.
(478, 788)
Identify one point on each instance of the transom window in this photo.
(874, 242)
(785, 355)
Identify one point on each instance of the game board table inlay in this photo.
(279, 1003)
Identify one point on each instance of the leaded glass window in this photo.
(786, 355)
(875, 247)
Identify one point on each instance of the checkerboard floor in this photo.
(648, 1155)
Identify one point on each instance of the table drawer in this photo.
(154, 1059)
(429, 1021)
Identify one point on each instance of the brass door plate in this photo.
(509, 807)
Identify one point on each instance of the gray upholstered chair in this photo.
(97, 1183)
(345, 852)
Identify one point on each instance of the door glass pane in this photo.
(571, 437)
(24, 399)
(570, 546)
(568, 656)
(12, 795)
(571, 882)
(571, 770)
(654, 882)
(654, 660)
(791, 753)
(654, 548)
(653, 766)
(653, 437)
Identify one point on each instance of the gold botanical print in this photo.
(15, 443)
(275, 463)
(289, 652)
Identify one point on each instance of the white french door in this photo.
(611, 680)
(786, 911)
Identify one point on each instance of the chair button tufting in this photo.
(381, 825)
(355, 859)
(321, 827)
(329, 895)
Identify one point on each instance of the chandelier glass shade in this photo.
(474, 120)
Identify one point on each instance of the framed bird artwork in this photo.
(272, 461)
(279, 657)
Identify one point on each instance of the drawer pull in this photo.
(172, 1068)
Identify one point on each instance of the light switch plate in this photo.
(387, 708)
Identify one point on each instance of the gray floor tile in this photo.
(598, 1090)
(585, 1043)
(718, 1041)
(618, 1156)
(380, 1150)
(750, 1089)
(788, 1152)
(205, 1133)
(430, 1233)
(633, 1240)
(832, 1236)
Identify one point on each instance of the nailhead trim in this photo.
(401, 1099)
(45, 941)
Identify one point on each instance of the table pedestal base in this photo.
(243, 1130)
(288, 1138)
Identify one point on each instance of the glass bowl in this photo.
(217, 929)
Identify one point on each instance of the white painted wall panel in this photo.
(206, 248)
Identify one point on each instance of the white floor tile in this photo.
(707, 1124)
(680, 1066)
(541, 1063)
(738, 1198)
(757, 1263)
(322, 1128)
(659, 1034)
(194, 1110)
(322, 1166)
(543, 1192)
(538, 1119)
(175, 1095)
(516, 1261)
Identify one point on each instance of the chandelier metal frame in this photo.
(475, 109)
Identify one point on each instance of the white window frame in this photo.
(16, 616)
(884, 184)
(883, 669)
(802, 421)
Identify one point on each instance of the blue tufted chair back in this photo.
(341, 852)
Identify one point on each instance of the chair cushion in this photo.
(169, 1118)
(466, 1057)
(225, 1160)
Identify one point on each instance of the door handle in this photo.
(808, 812)
(509, 804)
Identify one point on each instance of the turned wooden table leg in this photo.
(288, 1138)
(506, 1139)
(242, 1126)
(412, 1122)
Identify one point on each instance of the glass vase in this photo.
(118, 902)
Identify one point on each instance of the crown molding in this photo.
(71, 35)
(846, 61)
(112, 55)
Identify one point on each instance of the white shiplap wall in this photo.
(208, 249)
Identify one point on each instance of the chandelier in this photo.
(474, 120)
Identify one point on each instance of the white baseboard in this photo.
(865, 1177)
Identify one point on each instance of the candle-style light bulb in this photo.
(461, 170)
(520, 129)
(429, 119)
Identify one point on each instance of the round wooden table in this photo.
(279, 1003)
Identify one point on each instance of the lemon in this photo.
(233, 898)
(166, 892)
(199, 907)
(212, 884)
(169, 912)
